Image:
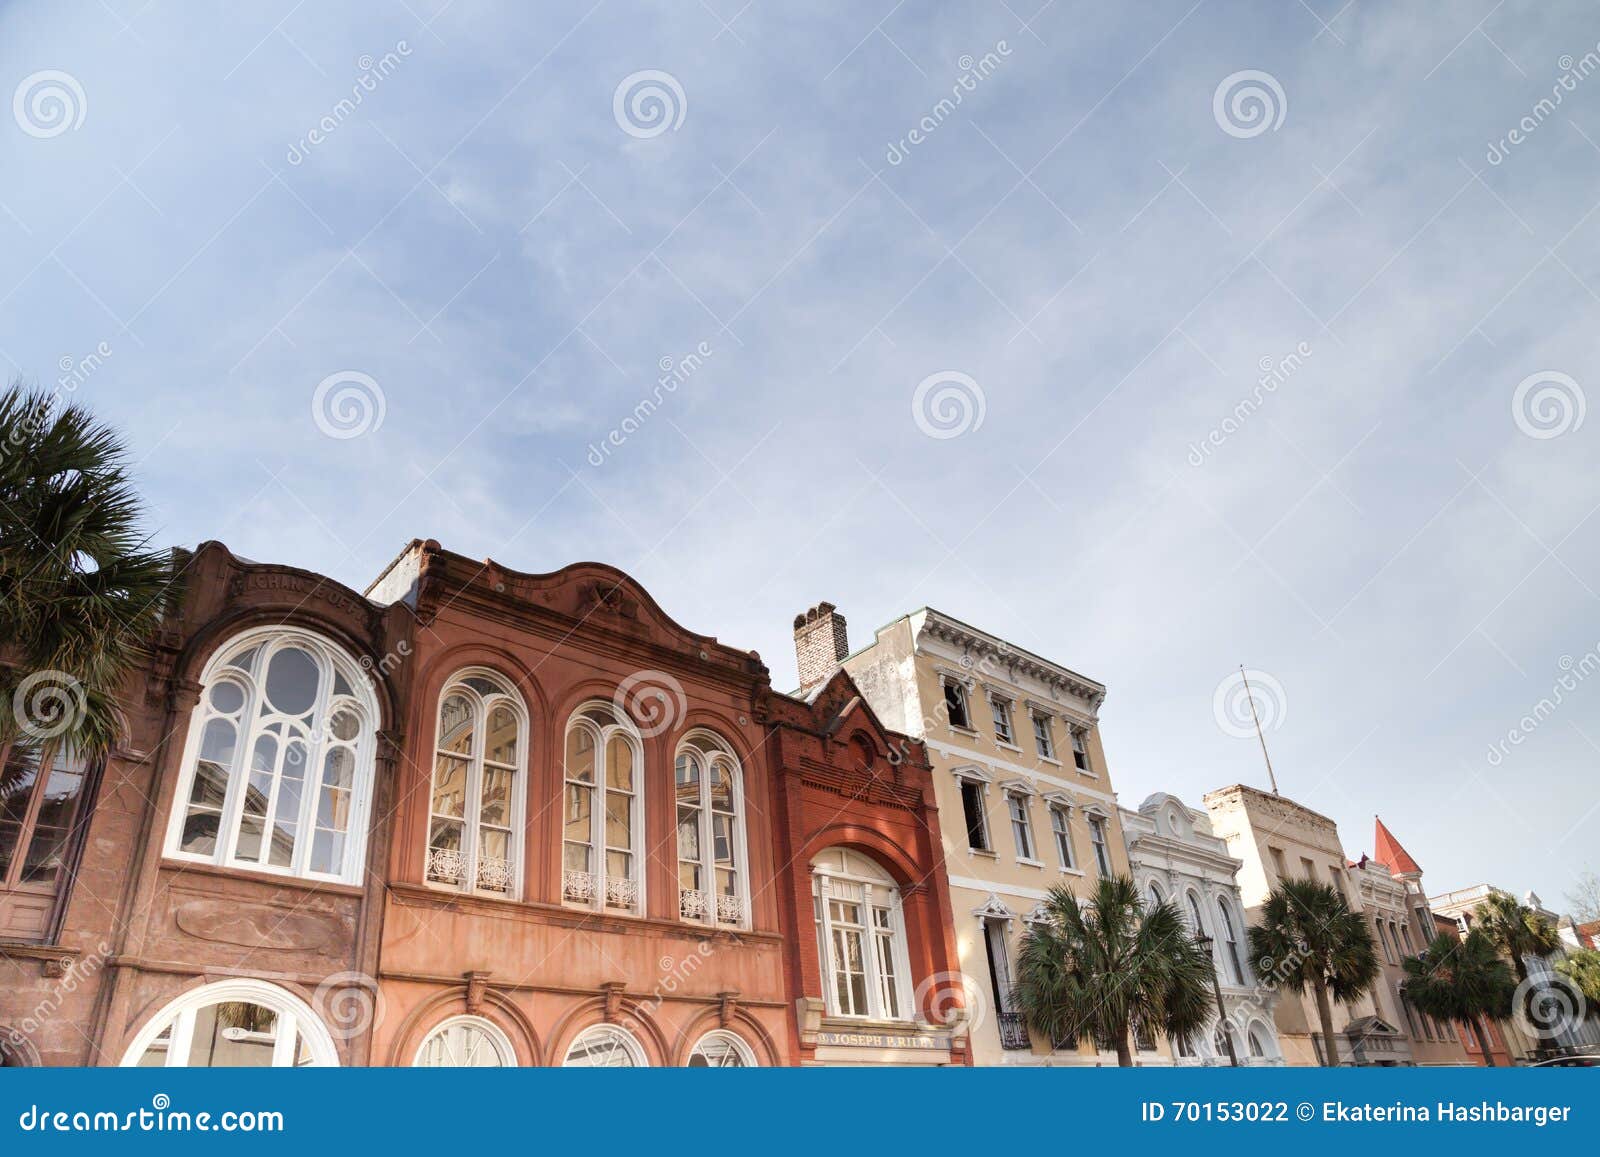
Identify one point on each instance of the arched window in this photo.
(40, 789)
(1257, 1042)
(711, 874)
(861, 937)
(605, 1046)
(721, 1049)
(466, 1042)
(1155, 895)
(277, 773)
(475, 817)
(603, 811)
(234, 1024)
(1197, 925)
(1230, 943)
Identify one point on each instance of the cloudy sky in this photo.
(349, 275)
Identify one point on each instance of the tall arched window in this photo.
(1198, 925)
(603, 811)
(1230, 943)
(861, 937)
(1257, 1042)
(233, 1024)
(1154, 895)
(711, 874)
(277, 773)
(476, 815)
(466, 1042)
(720, 1049)
(605, 1046)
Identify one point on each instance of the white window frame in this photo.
(960, 687)
(1017, 797)
(1080, 749)
(876, 886)
(296, 1019)
(1066, 848)
(1099, 824)
(596, 892)
(504, 1052)
(621, 1036)
(1228, 943)
(1043, 735)
(708, 905)
(249, 724)
(971, 776)
(483, 704)
(1005, 730)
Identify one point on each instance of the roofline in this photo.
(996, 639)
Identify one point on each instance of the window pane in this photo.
(619, 820)
(580, 755)
(578, 803)
(688, 833)
(496, 806)
(721, 787)
(456, 718)
(449, 786)
(722, 835)
(619, 764)
(500, 746)
(292, 678)
(227, 697)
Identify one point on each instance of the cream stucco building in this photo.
(1279, 839)
(1025, 798)
(1175, 856)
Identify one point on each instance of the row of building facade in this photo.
(473, 816)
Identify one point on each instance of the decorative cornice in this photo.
(981, 649)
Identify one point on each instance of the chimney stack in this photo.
(820, 644)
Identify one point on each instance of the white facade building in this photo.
(1174, 856)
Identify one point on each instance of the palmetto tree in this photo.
(1516, 929)
(1464, 980)
(1309, 939)
(1101, 966)
(79, 593)
(1582, 968)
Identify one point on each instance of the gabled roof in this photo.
(1387, 850)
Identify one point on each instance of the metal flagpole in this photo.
(1270, 774)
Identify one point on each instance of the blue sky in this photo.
(1107, 246)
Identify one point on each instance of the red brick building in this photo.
(473, 816)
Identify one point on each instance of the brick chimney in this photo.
(820, 644)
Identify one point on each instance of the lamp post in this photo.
(1205, 942)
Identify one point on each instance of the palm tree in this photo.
(1104, 965)
(1464, 980)
(1308, 938)
(1582, 968)
(79, 591)
(1517, 930)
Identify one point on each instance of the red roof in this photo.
(1387, 850)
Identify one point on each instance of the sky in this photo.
(1158, 339)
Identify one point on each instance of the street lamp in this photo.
(1205, 942)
